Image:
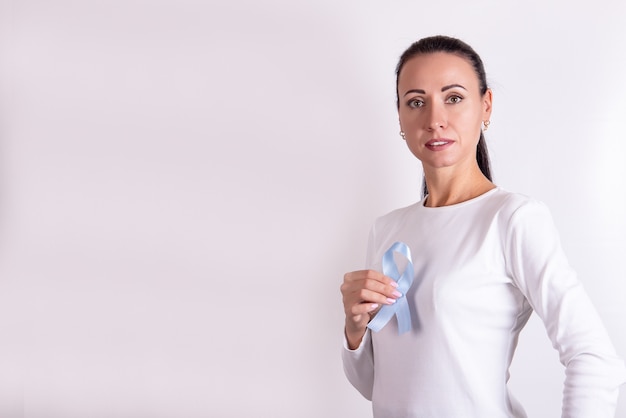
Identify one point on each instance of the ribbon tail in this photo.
(382, 317)
(403, 314)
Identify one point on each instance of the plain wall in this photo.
(183, 185)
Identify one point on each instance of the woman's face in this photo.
(441, 110)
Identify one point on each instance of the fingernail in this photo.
(397, 294)
(394, 284)
(391, 301)
(374, 306)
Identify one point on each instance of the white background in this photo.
(184, 183)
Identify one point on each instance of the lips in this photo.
(439, 144)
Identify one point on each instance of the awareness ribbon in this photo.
(401, 308)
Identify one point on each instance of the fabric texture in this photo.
(481, 268)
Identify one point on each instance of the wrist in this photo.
(354, 337)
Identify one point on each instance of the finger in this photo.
(369, 291)
(376, 277)
(364, 308)
(365, 275)
(371, 276)
(388, 290)
(369, 296)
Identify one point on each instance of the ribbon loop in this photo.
(401, 308)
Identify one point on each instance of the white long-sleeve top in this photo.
(481, 268)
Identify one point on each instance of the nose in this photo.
(437, 117)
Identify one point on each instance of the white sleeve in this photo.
(541, 271)
(358, 364)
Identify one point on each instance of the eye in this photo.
(455, 99)
(415, 103)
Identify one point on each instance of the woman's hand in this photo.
(364, 292)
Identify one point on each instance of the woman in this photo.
(483, 260)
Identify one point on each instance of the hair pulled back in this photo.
(457, 47)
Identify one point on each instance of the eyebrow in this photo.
(444, 88)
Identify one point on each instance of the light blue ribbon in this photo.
(401, 308)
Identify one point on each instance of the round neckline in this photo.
(456, 205)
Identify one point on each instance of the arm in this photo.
(540, 269)
(358, 365)
(363, 292)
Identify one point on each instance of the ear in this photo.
(487, 102)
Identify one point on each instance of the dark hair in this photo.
(451, 46)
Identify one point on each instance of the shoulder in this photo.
(517, 206)
(511, 200)
(526, 221)
(396, 217)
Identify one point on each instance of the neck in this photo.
(445, 189)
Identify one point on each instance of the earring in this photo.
(486, 123)
(403, 135)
